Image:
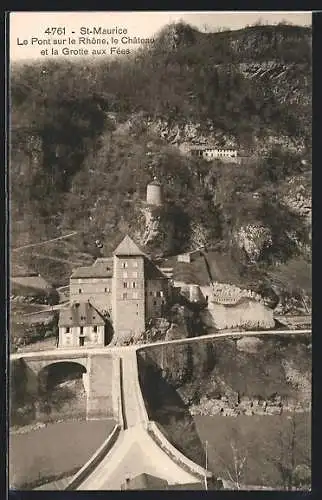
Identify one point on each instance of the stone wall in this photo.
(226, 406)
(245, 314)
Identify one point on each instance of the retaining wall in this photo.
(175, 455)
(95, 459)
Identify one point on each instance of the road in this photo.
(135, 452)
(102, 350)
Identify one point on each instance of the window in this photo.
(67, 329)
(151, 293)
(161, 293)
(124, 264)
(125, 274)
(135, 295)
(79, 290)
(82, 330)
(125, 284)
(135, 263)
(107, 290)
(154, 302)
(124, 296)
(133, 284)
(135, 274)
(95, 329)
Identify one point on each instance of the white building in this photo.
(212, 153)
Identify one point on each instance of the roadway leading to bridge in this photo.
(118, 349)
(135, 452)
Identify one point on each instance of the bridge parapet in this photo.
(181, 460)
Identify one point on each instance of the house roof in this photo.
(80, 314)
(127, 247)
(146, 482)
(203, 147)
(32, 281)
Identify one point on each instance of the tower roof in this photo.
(128, 247)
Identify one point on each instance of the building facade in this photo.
(82, 325)
(212, 153)
(127, 289)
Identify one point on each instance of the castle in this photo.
(114, 298)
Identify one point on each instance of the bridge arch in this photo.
(56, 372)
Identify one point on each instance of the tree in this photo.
(291, 457)
(235, 459)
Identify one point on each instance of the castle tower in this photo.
(154, 193)
(128, 292)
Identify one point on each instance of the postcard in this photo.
(160, 182)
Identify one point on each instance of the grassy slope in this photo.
(220, 369)
(259, 438)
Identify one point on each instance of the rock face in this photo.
(298, 199)
(253, 376)
(249, 344)
(245, 314)
(253, 239)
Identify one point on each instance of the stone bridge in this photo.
(98, 369)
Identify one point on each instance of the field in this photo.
(265, 441)
(53, 452)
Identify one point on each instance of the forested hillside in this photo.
(87, 137)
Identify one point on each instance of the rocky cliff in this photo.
(231, 370)
(85, 146)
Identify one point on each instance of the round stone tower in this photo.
(154, 193)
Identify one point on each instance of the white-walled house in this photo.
(81, 325)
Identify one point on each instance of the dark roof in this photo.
(152, 272)
(146, 482)
(127, 247)
(104, 261)
(97, 270)
(80, 314)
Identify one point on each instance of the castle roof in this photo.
(104, 262)
(97, 270)
(80, 314)
(127, 247)
(152, 272)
